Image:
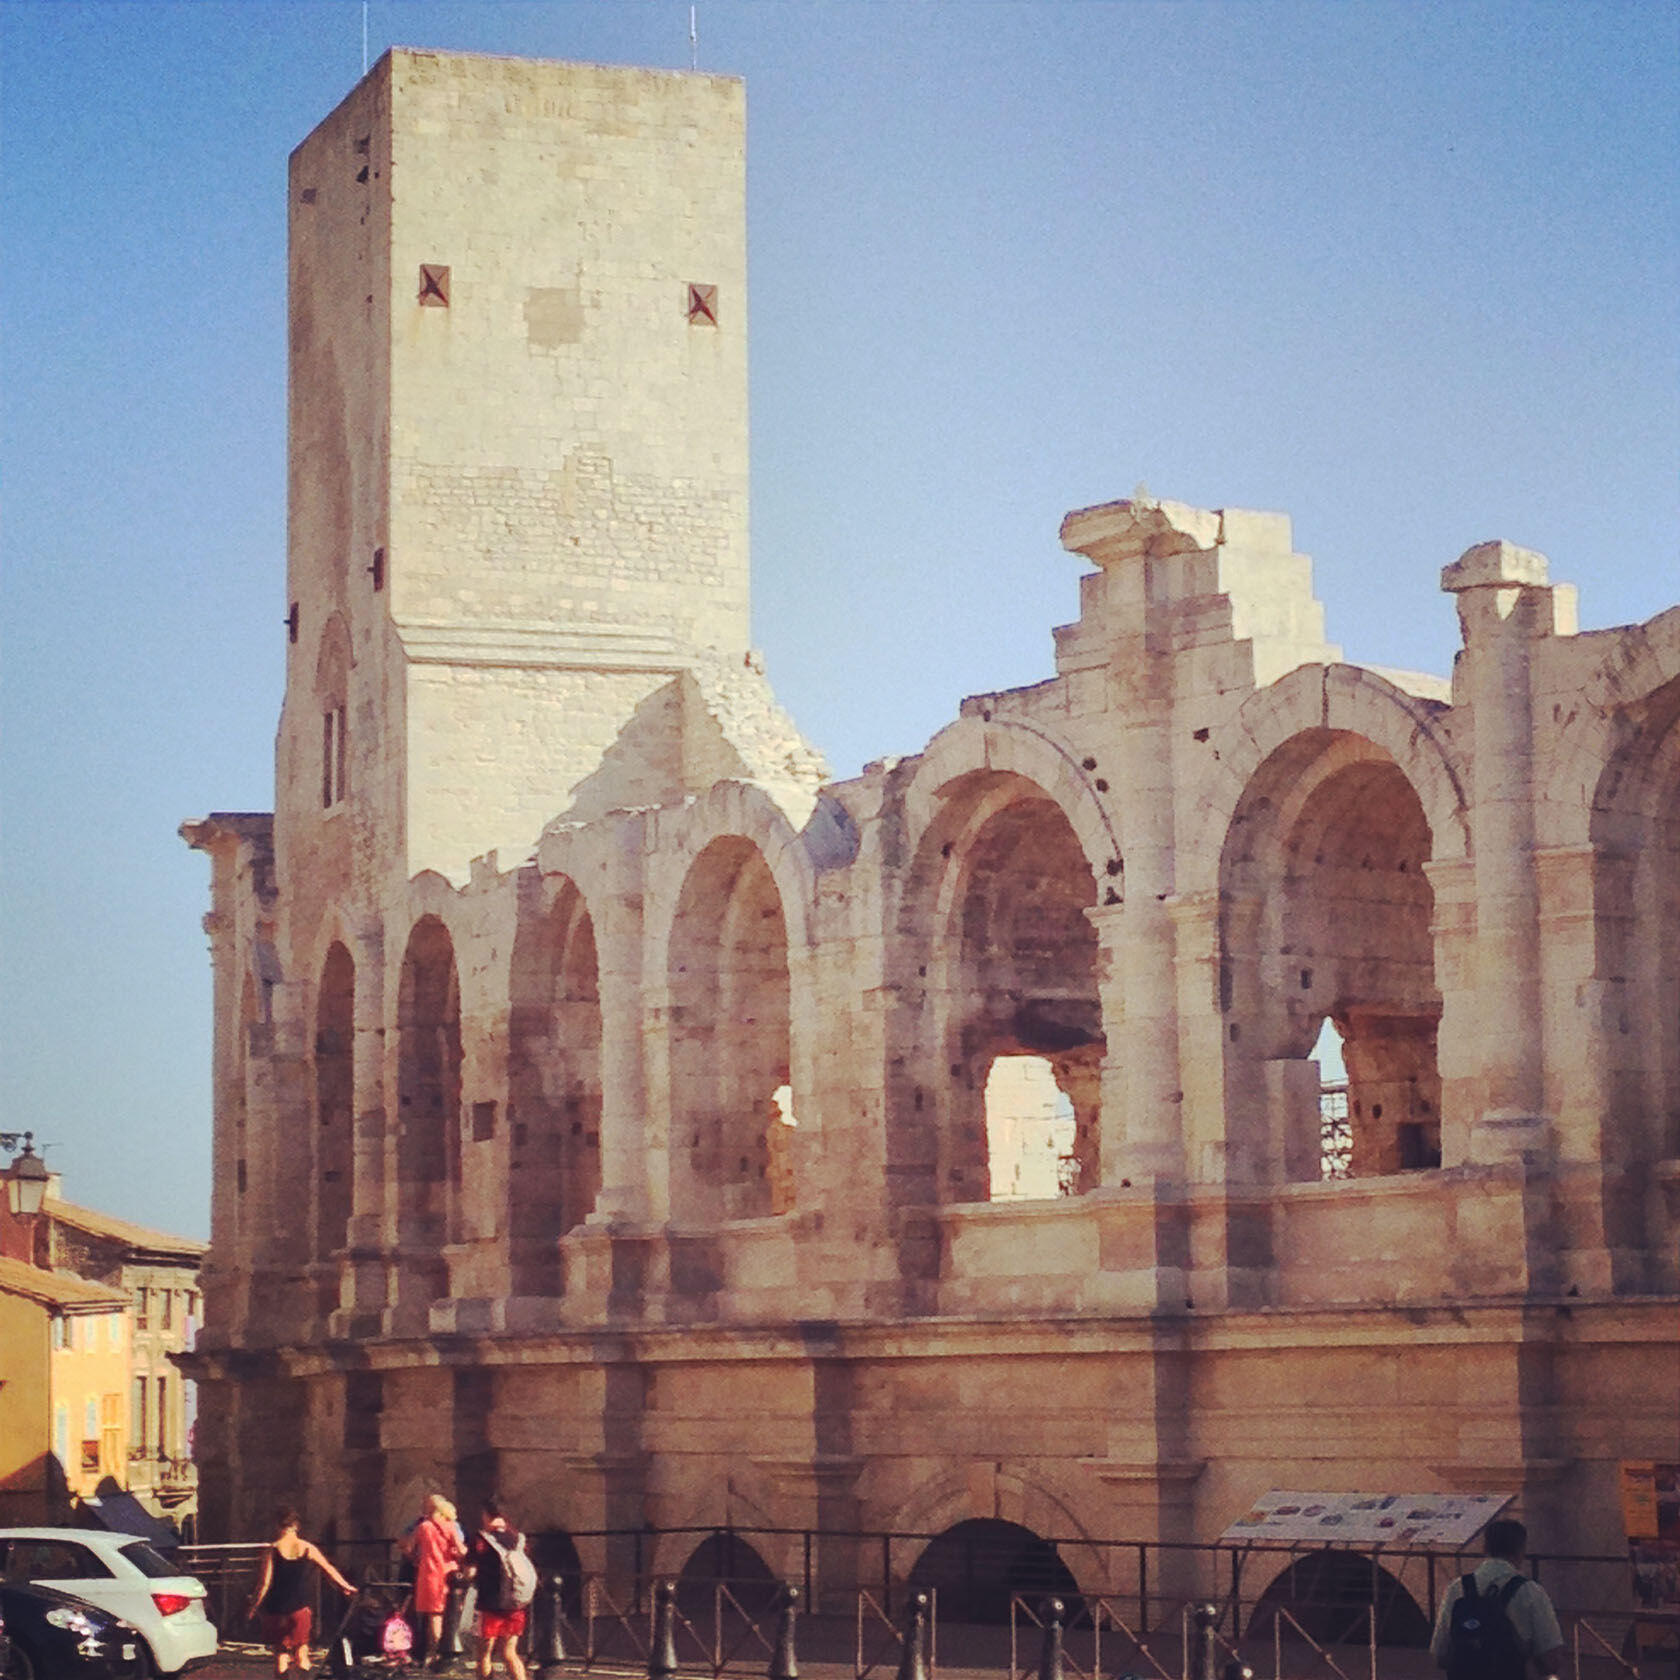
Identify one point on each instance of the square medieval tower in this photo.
(518, 449)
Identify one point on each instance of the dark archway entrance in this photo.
(1329, 1593)
(979, 1565)
(724, 1559)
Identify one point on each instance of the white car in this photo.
(123, 1574)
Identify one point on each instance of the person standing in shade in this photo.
(1497, 1623)
(501, 1622)
(434, 1546)
(282, 1594)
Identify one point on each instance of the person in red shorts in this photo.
(282, 1595)
(501, 1622)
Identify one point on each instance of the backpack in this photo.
(396, 1637)
(519, 1574)
(1483, 1645)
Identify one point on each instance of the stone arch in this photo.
(949, 1498)
(978, 744)
(555, 1554)
(1596, 725)
(743, 810)
(979, 1566)
(1001, 958)
(1329, 1594)
(428, 1142)
(1635, 835)
(728, 1560)
(554, 1079)
(335, 1101)
(1334, 699)
(730, 1031)
(1325, 910)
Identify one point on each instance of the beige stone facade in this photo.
(601, 1097)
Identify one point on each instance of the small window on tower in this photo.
(334, 768)
(702, 305)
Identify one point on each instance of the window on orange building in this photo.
(110, 1434)
(90, 1436)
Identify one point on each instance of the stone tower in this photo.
(518, 479)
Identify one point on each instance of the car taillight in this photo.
(171, 1604)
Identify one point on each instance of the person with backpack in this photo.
(499, 1565)
(1496, 1623)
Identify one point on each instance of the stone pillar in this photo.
(626, 1195)
(1142, 1099)
(1504, 606)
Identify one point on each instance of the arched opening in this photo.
(998, 903)
(335, 1088)
(979, 1565)
(1636, 904)
(1328, 1596)
(554, 1092)
(1335, 1135)
(554, 1553)
(1326, 915)
(428, 1086)
(729, 1043)
(1030, 1131)
(723, 1559)
(1636, 835)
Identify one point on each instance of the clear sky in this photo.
(1408, 272)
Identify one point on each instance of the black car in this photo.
(49, 1634)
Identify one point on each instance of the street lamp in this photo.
(26, 1178)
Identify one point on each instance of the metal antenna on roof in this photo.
(364, 36)
(693, 38)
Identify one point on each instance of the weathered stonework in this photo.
(515, 1003)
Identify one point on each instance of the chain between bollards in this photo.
(912, 1660)
(662, 1648)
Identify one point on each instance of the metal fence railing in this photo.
(1127, 1607)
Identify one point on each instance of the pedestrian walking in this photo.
(1496, 1623)
(282, 1592)
(435, 1547)
(506, 1581)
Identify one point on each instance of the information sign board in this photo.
(1447, 1520)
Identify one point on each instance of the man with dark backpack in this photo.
(1496, 1623)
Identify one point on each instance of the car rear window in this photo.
(149, 1562)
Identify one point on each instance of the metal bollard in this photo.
(1206, 1618)
(1050, 1652)
(662, 1648)
(449, 1644)
(1236, 1669)
(549, 1648)
(912, 1661)
(784, 1660)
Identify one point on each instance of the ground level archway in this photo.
(978, 1566)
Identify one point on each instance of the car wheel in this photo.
(20, 1667)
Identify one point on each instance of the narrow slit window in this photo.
(334, 752)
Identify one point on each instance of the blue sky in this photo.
(1408, 272)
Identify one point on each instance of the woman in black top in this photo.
(282, 1595)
